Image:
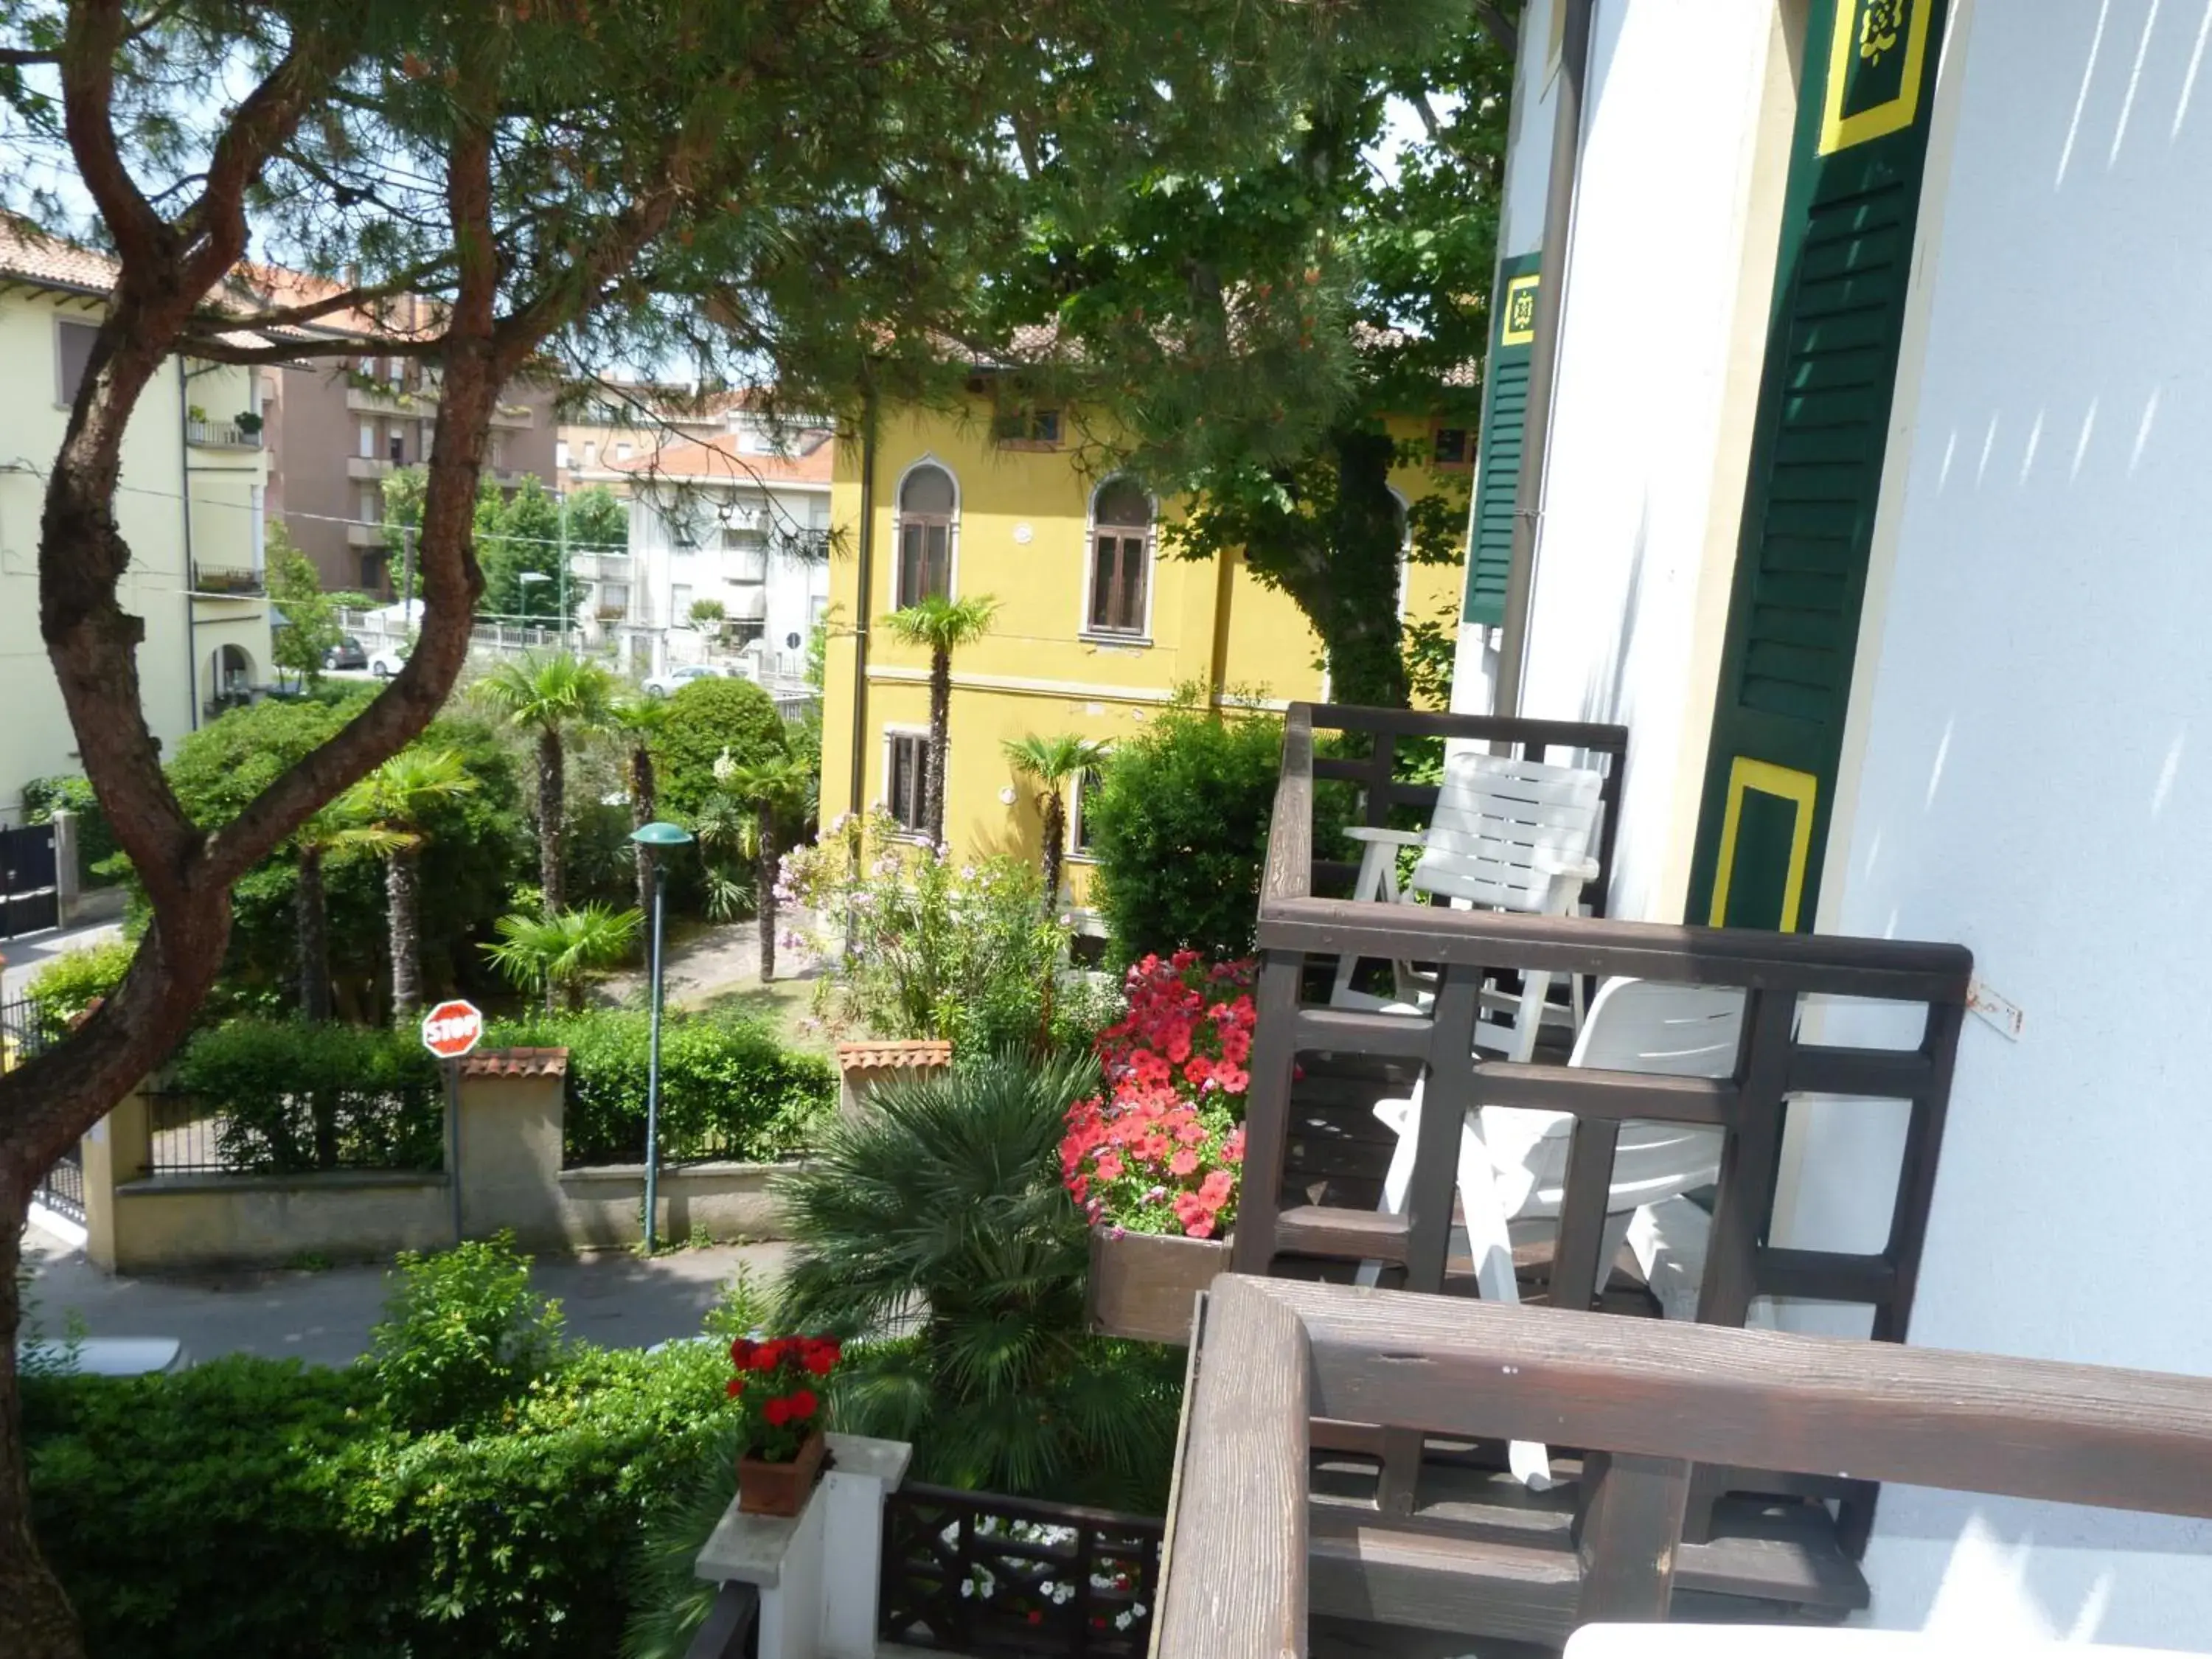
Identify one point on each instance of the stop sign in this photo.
(452, 1028)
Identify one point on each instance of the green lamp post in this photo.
(657, 838)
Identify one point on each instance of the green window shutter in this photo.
(1498, 456)
(1814, 480)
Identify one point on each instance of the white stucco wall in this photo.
(1644, 381)
(35, 738)
(2030, 769)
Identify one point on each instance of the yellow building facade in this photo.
(1095, 630)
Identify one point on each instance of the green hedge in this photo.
(74, 980)
(1179, 828)
(292, 1096)
(259, 1507)
(729, 1087)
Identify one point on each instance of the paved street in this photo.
(611, 1297)
(22, 958)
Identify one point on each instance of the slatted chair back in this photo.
(1633, 1025)
(1506, 830)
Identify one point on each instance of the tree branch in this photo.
(446, 561)
(94, 35)
(1499, 28)
(210, 348)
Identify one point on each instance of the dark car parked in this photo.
(346, 653)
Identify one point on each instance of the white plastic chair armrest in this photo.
(1554, 864)
(1394, 837)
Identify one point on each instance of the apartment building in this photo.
(190, 505)
(337, 428)
(1095, 630)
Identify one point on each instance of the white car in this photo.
(388, 660)
(668, 684)
(104, 1355)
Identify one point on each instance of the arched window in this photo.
(1121, 558)
(926, 505)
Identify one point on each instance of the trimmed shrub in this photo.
(704, 718)
(96, 836)
(74, 980)
(729, 1087)
(290, 1097)
(1179, 828)
(463, 1337)
(254, 1506)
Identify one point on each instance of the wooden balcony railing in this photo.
(1244, 1568)
(1314, 1155)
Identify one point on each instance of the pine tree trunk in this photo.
(764, 894)
(403, 903)
(310, 915)
(644, 800)
(940, 741)
(35, 1618)
(549, 813)
(1055, 847)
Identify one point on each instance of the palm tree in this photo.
(554, 955)
(1052, 762)
(639, 720)
(774, 790)
(334, 830)
(938, 1216)
(943, 626)
(396, 797)
(554, 697)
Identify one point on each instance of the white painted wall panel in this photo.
(1671, 115)
(2034, 773)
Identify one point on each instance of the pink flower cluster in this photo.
(1161, 1150)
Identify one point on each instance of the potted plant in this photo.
(776, 1391)
(248, 423)
(1155, 1161)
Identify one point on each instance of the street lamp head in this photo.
(661, 833)
(526, 577)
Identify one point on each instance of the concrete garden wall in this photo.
(510, 1174)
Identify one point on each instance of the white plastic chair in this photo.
(1507, 834)
(1513, 1163)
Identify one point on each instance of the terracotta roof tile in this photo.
(516, 1062)
(718, 460)
(869, 1056)
(31, 254)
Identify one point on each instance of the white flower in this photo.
(725, 767)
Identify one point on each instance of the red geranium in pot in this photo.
(777, 1391)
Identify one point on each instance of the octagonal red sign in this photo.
(452, 1028)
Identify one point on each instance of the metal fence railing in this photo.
(981, 1573)
(306, 1133)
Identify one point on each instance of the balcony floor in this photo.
(1427, 1583)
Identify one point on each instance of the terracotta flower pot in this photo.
(766, 1488)
(1143, 1285)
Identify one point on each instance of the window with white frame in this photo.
(1120, 559)
(906, 767)
(1079, 820)
(679, 604)
(925, 541)
(366, 438)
